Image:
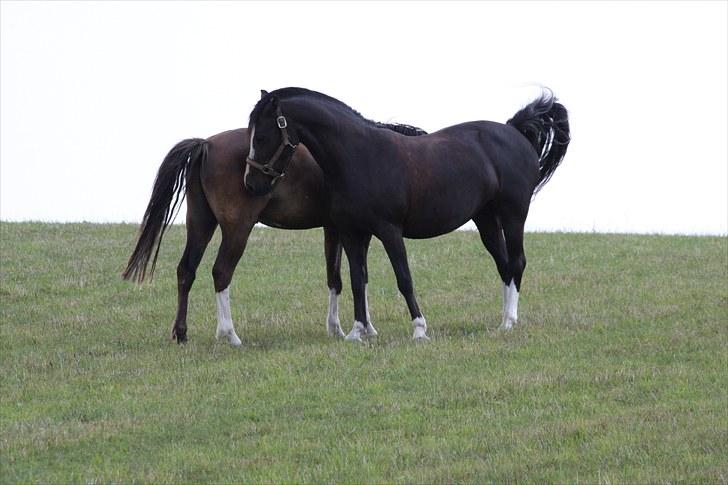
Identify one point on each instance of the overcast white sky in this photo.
(94, 94)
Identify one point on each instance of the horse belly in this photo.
(442, 212)
(445, 198)
(425, 229)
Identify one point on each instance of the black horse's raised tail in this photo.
(167, 196)
(545, 123)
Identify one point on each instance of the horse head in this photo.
(272, 144)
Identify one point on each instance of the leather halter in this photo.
(267, 168)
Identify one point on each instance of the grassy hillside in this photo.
(617, 372)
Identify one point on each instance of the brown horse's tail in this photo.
(167, 196)
(545, 123)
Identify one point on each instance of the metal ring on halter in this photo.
(266, 169)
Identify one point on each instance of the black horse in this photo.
(210, 174)
(391, 186)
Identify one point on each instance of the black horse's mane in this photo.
(407, 130)
(403, 129)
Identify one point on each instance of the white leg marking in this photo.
(224, 318)
(366, 304)
(334, 325)
(370, 326)
(360, 330)
(420, 326)
(505, 302)
(510, 306)
(357, 332)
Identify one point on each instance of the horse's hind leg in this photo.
(491, 234)
(332, 251)
(234, 240)
(200, 225)
(513, 225)
(395, 248)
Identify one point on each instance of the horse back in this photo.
(499, 150)
(454, 173)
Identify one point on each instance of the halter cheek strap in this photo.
(286, 145)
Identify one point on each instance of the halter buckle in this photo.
(281, 121)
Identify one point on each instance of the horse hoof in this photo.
(336, 331)
(420, 335)
(371, 331)
(356, 333)
(231, 337)
(507, 325)
(180, 337)
(234, 340)
(420, 329)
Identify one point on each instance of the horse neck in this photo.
(330, 133)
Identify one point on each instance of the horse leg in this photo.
(395, 248)
(355, 247)
(491, 234)
(234, 240)
(332, 251)
(370, 326)
(513, 231)
(200, 225)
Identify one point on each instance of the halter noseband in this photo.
(267, 168)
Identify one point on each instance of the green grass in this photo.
(617, 372)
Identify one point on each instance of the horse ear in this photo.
(263, 93)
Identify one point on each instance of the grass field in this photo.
(617, 372)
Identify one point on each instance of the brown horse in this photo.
(210, 174)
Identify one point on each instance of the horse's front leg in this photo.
(355, 246)
(332, 252)
(393, 243)
(370, 324)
